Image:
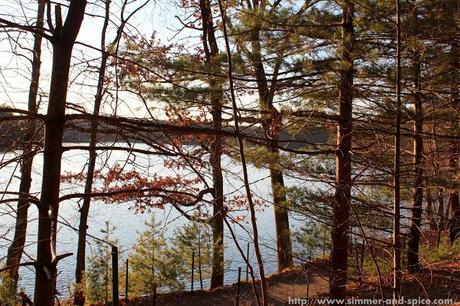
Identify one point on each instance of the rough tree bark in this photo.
(217, 222)
(260, 262)
(439, 198)
(17, 246)
(271, 117)
(63, 41)
(454, 200)
(79, 298)
(396, 288)
(341, 206)
(430, 208)
(441, 210)
(417, 197)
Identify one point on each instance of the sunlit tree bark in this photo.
(270, 118)
(396, 288)
(217, 222)
(17, 246)
(341, 206)
(63, 40)
(79, 298)
(417, 196)
(454, 199)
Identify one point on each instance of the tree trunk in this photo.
(64, 38)
(283, 233)
(441, 210)
(396, 288)
(247, 187)
(217, 223)
(79, 298)
(270, 118)
(441, 214)
(430, 209)
(454, 226)
(454, 201)
(417, 198)
(341, 206)
(17, 246)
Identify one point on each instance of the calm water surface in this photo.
(128, 223)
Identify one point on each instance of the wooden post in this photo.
(199, 266)
(193, 270)
(115, 301)
(238, 288)
(154, 300)
(361, 264)
(247, 264)
(309, 274)
(126, 281)
(106, 280)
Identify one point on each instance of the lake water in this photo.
(129, 223)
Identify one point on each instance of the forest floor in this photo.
(438, 280)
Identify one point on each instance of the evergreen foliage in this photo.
(162, 264)
(99, 272)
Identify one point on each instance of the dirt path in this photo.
(298, 283)
(436, 281)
